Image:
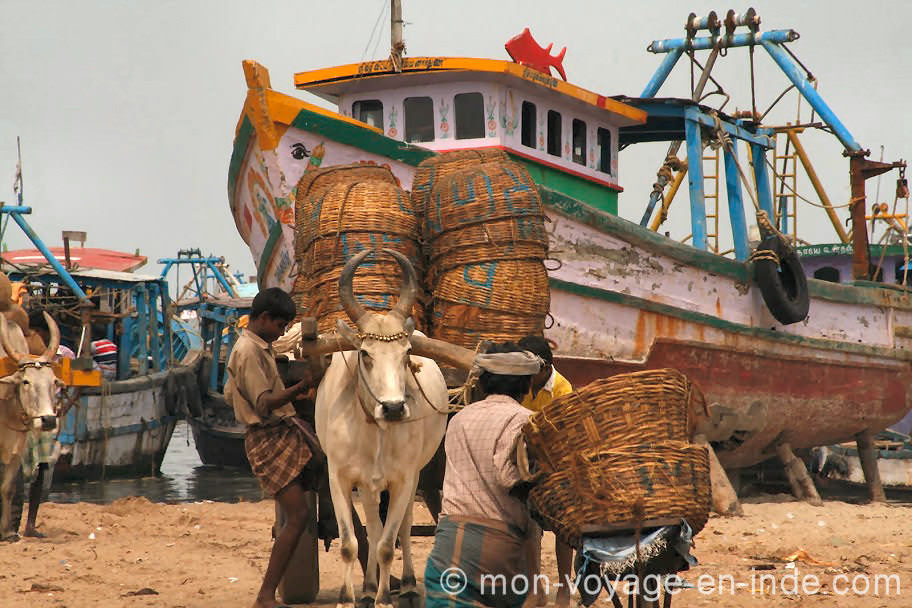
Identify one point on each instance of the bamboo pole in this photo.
(818, 187)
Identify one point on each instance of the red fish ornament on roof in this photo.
(525, 51)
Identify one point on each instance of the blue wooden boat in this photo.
(123, 426)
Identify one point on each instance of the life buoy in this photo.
(783, 285)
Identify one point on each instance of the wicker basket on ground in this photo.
(623, 488)
(650, 406)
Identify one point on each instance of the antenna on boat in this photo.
(17, 183)
(397, 45)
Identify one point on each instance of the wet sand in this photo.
(214, 554)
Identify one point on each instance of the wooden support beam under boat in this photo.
(867, 455)
(724, 498)
(797, 474)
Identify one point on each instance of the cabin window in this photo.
(419, 119)
(900, 271)
(528, 124)
(827, 273)
(554, 133)
(604, 145)
(579, 141)
(369, 111)
(470, 120)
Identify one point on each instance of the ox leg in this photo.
(374, 531)
(342, 502)
(7, 488)
(401, 498)
(408, 593)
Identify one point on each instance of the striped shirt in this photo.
(104, 353)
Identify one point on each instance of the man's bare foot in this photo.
(267, 603)
(563, 597)
(33, 533)
(534, 600)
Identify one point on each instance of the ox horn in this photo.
(409, 290)
(355, 311)
(324, 345)
(5, 341)
(442, 352)
(54, 342)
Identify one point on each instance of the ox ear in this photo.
(14, 378)
(348, 333)
(409, 326)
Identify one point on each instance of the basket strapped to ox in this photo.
(381, 414)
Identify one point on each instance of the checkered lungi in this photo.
(282, 452)
(40, 446)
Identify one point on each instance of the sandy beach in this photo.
(137, 553)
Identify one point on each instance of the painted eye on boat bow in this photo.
(299, 151)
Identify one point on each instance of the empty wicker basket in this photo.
(641, 407)
(623, 488)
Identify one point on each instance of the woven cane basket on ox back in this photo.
(340, 221)
(431, 170)
(624, 487)
(315, 181)
(486, 243)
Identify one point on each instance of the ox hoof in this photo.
(409, 599)
(365, 602)
(10, 537)
(345, 605)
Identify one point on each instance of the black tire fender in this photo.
(783, 286)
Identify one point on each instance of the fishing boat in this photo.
(624, 297)
(219, 305)
(119, 426)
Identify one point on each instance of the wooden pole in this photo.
(818, 186)
(800, 480)
(867, 454)
(724, 498)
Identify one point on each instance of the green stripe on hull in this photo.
(716, 264)
(704, 319)
(359, 137)
(241, 142)
(601, 197)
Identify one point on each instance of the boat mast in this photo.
(397, 45)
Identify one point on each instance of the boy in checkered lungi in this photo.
(282, 449)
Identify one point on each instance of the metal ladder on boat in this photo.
(711, 196)
(785, 180)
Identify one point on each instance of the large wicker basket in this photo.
(615, 489)
(379, 207)
(466, 325)
(431, 170)
(640, 407)
(481, 194)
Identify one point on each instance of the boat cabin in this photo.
(565, 135)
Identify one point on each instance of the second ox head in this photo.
(382, 342)
(34, 380)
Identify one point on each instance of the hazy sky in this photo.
(127, 109)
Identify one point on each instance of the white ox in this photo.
(27, 402)
(380, 415)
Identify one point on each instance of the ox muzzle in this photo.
(393, 411)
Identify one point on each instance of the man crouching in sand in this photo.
(283, 451)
